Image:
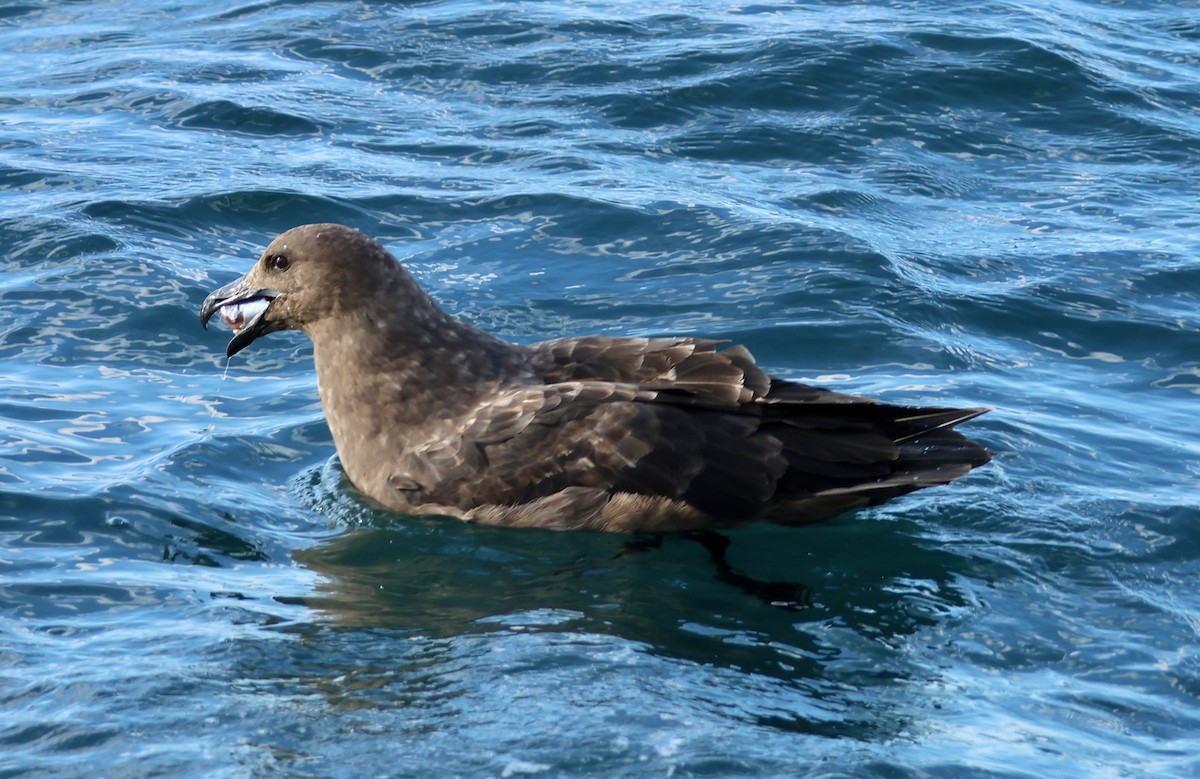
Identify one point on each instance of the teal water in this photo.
(958, 203)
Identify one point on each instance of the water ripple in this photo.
(986, 205)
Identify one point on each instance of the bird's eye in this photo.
(279, 262)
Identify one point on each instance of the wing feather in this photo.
(680, 419)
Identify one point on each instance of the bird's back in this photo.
(719, 434)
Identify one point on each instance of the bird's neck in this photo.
(388, 376)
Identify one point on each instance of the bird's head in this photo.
(307, 274)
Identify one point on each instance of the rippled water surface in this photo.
(954, 203)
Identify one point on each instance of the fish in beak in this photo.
(243, 308)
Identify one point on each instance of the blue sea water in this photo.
(932, 202)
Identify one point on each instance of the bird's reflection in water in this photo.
(701, 602)
(428, 611)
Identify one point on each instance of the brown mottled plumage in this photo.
(433, 416)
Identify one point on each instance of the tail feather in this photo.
(929, 419)
(866, 454)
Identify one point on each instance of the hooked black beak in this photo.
(242, 307)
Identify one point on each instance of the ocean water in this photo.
(943, 202)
